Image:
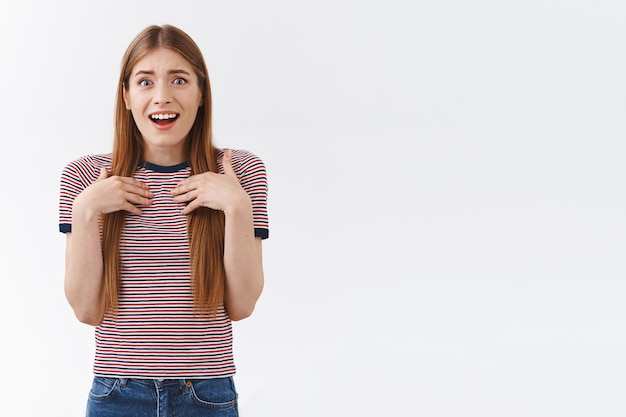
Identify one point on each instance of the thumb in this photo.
(103, 174)
(227, 162)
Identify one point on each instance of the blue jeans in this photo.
(115, 397)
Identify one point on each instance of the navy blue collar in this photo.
(161, 168)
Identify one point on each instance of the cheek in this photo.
(138, 118)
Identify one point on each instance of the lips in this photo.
(164, 120)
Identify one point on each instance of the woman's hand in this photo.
(110, 194)
(216, 191)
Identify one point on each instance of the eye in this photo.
(145, 83)
(179, 81)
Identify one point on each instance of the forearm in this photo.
(243, 264)
(84, 267)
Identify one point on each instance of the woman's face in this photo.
(163, 96)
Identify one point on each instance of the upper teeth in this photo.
(163, 116)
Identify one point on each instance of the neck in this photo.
(164, 157)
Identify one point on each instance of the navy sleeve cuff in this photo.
(262, 233)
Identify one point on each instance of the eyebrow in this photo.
(170, 72)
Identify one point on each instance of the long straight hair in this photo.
(205, 226)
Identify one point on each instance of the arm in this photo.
(242, 250)
(242, 262)
(83, 255)
(83, 267)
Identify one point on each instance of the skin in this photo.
(164, 82)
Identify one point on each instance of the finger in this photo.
(188, 196)
(131, 185)
(134, 183)
(132, 209)
(137, 199)
(184, 186)
(191, 207)
(125, 206)
(139, 190)
(192, 183)
(180, 190)
(227, 162)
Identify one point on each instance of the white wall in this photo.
(446, 198)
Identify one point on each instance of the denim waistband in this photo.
(183, 383)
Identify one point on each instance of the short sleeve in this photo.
(75, 177)
(252, 175)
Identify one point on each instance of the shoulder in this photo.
(86, 169)
(243, 161)
(90, 163)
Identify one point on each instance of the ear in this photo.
(125, 96)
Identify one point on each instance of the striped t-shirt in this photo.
(156, 332)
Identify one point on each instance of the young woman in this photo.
(163, 240)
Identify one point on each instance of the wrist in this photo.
(82, 212)
(240, 206)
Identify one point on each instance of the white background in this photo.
(446, 197)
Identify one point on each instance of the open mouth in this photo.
(164, 119)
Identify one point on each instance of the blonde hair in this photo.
(205, 226)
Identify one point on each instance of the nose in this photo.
(162, 94)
